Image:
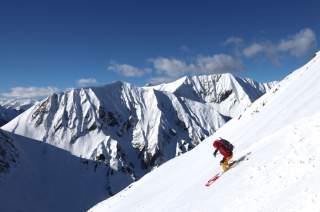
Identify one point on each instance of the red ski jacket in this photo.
(221, 148)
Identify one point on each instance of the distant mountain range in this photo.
(12, 107)
(134, 129)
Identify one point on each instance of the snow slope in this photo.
(281, 130)
(6, 115)
(8, 153)
(136, 129)
(11, 108)
(36, 176)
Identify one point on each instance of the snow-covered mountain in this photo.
(281, 132)
(20, 104)
(135, 129)
(35, 176)
(11, 108)
(228, 94)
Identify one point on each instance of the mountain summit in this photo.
(134, 129)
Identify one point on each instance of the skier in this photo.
(225, 148)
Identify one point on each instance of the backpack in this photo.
(227, 144)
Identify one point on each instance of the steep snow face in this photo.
(229, 95)
(8, 153)
(11, 108)
(36, 176)
(281, 130)
(134, 129)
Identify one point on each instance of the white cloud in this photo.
(30, 92)
(170, 66)
(127, 70)
(267, 49)
(300, 43)
(254, 49)
(297, 45)
(219, 63)
(234, 40)
(87, 81)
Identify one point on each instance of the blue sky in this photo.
(55, 45)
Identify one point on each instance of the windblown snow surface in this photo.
(282, 132)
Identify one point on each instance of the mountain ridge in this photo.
(135, 128)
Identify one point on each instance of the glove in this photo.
(215, 153)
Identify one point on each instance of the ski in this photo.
(217, 176)
(213, 179)
(231, 165)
